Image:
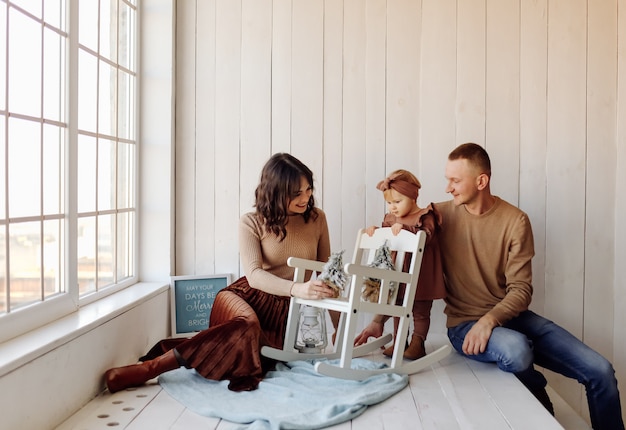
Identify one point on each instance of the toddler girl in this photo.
(400, 190)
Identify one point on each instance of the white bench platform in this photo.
(455, 393)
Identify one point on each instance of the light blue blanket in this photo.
(293, 396)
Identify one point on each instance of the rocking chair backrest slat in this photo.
(400, 246)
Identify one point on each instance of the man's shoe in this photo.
(544, 399)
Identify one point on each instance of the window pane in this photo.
(3, 190)
(3, 275)
(3, 57)
(126, 107)
(125, 245)
(31, 6)
(126, 175)
(53, 169)
(24, 168)
(25, 264)
(54, 71)
(126, 37)
(86, 253)
(54, 13)
(88, 24)
(86, 174)
(107, 99)
(106, 174)
(53, 257)
(106, 234)
(108, 29)
(24, 64)
(87, 91)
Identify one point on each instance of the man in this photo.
(487, 248)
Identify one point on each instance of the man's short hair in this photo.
(473, 153)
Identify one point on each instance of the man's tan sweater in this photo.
(486, 262)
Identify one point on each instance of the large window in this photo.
(67, 156)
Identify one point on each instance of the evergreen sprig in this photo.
(333, 274)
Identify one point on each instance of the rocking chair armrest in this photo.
(303, 263)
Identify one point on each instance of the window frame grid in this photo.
(17, 321)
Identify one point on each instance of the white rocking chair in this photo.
(351, 305)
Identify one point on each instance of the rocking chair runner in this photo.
(351, 305)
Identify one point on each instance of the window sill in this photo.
(23, 349)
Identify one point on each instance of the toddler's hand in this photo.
(396, 228)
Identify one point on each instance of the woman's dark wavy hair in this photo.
(280, 182)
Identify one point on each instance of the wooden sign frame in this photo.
(191, 302)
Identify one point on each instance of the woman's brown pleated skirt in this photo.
(243, 319)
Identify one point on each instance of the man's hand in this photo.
(477, 338)
(374, 329)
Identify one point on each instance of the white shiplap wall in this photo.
(358, 88)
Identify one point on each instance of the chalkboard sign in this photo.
(192, 301)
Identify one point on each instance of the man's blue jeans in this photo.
(530, 338)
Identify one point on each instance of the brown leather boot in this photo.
(416, 348)
(388, 352)
(120, 378)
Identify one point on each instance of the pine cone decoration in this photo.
(370, 290)
(371, 286)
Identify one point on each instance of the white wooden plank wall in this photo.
(601, 182)
(533, 134)
(354, 143)
(601, 115)
(502, 124)
(437, 104)
(358, 88)
(565, 167)
(619, 297)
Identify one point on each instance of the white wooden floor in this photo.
(455, 393)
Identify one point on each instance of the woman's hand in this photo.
(312, 290)
(374, 329)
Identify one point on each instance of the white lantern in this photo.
(312, 336)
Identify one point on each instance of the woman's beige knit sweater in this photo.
(264, 257)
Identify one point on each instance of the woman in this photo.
(252, 311)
